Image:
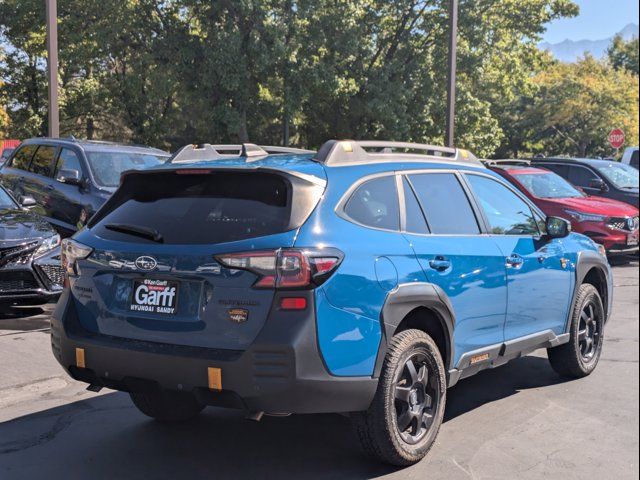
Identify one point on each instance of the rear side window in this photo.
(43, 161)
(23, 157)
(506, 212)
(445, 204)
(635, 159)
(205, 209)
(375, 204)
(416, 222)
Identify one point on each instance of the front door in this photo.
(538, 275)
(445, 233)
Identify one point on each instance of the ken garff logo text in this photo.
(146, 263)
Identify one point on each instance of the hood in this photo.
(596, 205)
(18, 225)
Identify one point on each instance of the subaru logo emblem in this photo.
(146, 263)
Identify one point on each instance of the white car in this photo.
(630, 157)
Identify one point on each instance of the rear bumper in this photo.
(281, 373)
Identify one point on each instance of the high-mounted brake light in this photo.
(286, 268)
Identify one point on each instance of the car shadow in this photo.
(106, 437)
(25, 319)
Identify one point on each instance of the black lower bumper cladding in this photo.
(281, 373)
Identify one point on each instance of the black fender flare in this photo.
(587, 261)
(407, 298)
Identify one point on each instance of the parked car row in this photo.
(50, 188)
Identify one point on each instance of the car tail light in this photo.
(286, 268)
(71, 252)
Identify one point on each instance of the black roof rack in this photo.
(350, 152)
(206, 151)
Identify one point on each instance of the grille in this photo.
(625, 224)
(54, 273)
(17, 255)
(17, 282)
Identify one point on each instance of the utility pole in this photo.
(52, 67)
(453, 60)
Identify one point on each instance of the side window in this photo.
(416, 222)
(68, 160)
(635, 160)
(445, 204)
(23, 157)
(506, 212)
(581, 176)
(43, 161)
(375, 204)
(561, 170)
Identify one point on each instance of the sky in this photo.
(598, 19)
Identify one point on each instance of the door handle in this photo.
(515, 261)
(440, 264)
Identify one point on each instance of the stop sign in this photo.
(616, 138)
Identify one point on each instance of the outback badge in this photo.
(238, 315)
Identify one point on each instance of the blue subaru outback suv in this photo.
(365, 279)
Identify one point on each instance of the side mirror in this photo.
(598, 184)
(70, 177)
(558, 227)
(28, 202)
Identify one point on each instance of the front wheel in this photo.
(403, 421)
(580, 357)
(166, 406)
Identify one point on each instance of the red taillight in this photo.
(293, 303)
(286, 268)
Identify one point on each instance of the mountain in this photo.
(571, 50)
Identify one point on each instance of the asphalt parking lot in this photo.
(520, 421)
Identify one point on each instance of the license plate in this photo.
(155, 296)
(632, 240)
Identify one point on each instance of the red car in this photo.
(610, 223)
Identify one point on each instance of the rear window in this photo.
(22, 159)
(206, 209)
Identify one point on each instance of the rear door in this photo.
(172, 289)
(539, 276)
(455, 255)
(13, 174)
(37, 181)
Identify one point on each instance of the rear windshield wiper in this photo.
(135, 230)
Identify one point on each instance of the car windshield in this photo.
(622, 176)
(107, 166)
(6, 202)
(547, 185)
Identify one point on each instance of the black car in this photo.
(70, 179)
(30, 268)
(602, 178)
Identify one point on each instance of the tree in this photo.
(624, 54)
(577, 105)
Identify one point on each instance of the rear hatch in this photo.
(153, 274)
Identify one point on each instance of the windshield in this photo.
(622, 176)
(548, 185)
(108, 166)
(6, 202)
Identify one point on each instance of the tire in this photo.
(379, 428)
(166, 406)
(580, 357)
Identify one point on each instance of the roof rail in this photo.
(349, 152)
(514, 162)
(197, 153)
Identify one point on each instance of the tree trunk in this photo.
(243, 133)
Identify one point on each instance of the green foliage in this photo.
(171, 72)
(575, 106)
(624, 54)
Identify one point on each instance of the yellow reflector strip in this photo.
(80, 363)
(215, 379)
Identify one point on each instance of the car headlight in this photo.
(48, 244)
(71, 252)
(585, 217)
